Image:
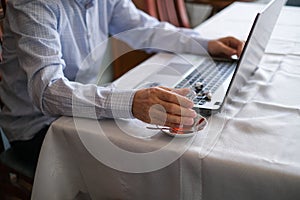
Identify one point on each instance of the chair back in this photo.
(172, 11)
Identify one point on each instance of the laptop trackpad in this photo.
(167, 76)
(175, 69)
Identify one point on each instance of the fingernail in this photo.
(191, 122)
(191, 104)
(194, 113)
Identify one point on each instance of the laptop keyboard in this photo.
(205, 80)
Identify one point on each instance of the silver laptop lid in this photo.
(256, 44)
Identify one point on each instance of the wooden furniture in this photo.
(16, 177)
(172, 11)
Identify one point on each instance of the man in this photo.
(45, 44)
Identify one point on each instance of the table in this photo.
(217, 5)
(251, 152)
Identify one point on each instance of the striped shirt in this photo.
(55, 51)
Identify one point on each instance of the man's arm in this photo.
(40, 56)
(142, 31)
(39, 52)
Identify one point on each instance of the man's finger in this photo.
(237, 44)
(172, 97)
(227, 50)
(176, 109)
(182, 91)
(165, 119)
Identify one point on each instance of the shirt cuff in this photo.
(201, 47)
(119, 104)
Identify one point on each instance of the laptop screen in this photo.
(256, 44)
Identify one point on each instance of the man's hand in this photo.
(163, 106)
(225, 47)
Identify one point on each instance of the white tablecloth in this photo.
(250, 152)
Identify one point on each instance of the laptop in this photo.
(211, 79)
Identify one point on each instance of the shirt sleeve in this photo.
(40, 57)
(142, 31)
(85, 100)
